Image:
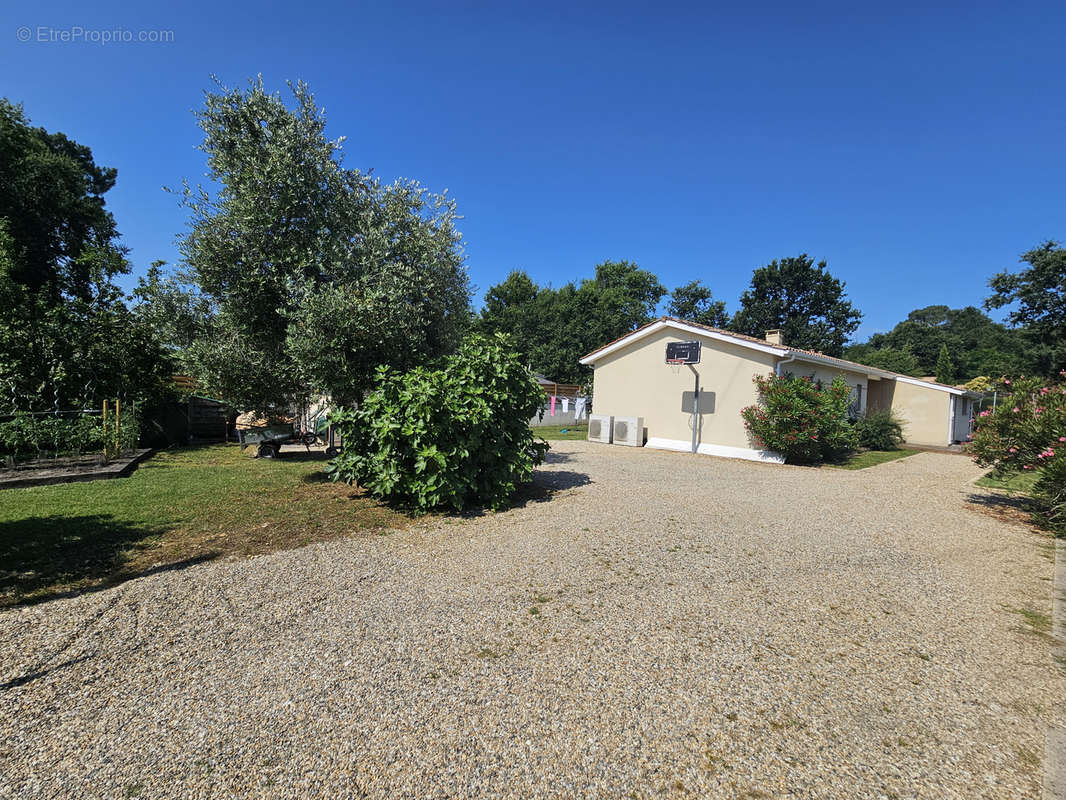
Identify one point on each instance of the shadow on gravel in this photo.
(47, 557)
(542, 489)
(1006, 507)
(558, 480)
(553, 457)
(30, 677)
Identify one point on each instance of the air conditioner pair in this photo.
(616, 430)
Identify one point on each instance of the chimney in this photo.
(774, 337)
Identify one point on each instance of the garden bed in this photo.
(44, 471)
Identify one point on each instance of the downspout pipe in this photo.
(780, 364)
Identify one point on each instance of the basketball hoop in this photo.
(679, 354)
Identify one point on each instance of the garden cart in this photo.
(270, 438)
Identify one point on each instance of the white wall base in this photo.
(721, 450)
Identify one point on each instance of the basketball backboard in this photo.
(686, 352)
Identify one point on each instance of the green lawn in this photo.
(552, 432)
(180, 507)
(871, 458)
(1011, 483)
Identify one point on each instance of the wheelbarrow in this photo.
(270, 438)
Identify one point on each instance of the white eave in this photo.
(938, 386)
(661, 324)
(862, 369)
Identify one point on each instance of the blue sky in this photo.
(917, 149)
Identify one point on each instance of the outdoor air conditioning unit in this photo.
(600, 428)
(629, 431)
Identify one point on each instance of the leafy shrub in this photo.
(455, 435)
(879, 430)
(18, 435)
(804, 420)
(1050, 492)
(1027, 431)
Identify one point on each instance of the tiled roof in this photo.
(784, 348)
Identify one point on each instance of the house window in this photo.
(855, 408)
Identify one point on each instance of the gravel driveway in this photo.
(663, 625)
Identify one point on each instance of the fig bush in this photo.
(452, 435)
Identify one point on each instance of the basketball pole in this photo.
(678, 353)
(695, 409)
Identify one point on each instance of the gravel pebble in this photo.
(661, 625)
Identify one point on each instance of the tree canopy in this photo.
(695, 302)
(1037, 297)
(315, 274)
(67, 338)
(801, 299)
(975, 344)
(891, 358)
(945, 367)
(62, 238)
(552, 328)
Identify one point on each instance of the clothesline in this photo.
(580, 404)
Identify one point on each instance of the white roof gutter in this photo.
(871, 372)
(938, 386)
(790, 359)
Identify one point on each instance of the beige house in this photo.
(631, 379)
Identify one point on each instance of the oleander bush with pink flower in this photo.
(803, 419)
(1027, 432)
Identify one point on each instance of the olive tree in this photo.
(315, 273)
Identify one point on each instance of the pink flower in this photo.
(1062, 438)
(1016, 409)
(983, 414)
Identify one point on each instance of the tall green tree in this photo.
(945, 368)
(523, 310)
(552, 328)
(695, 302)
(1037, 297)
(803, 300)
(625, 295)
(316, 273)
(67, 337)
(619, 298)
(171, 304)
(891, 358)
(976, 344)
(63, 239)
